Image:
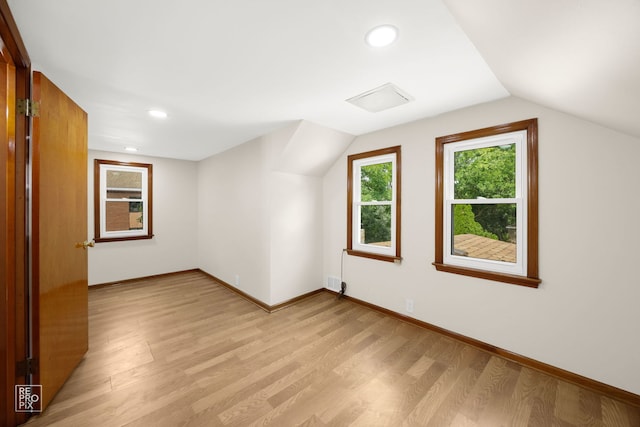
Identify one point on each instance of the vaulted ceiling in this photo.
(229, 71)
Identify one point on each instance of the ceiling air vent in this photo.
(381, 98)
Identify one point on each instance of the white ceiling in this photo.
(229, 71)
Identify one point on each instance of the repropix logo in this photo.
(28, 398)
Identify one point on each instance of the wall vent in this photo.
(381, 98)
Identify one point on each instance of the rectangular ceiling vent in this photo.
(381, 98)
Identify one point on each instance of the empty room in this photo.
(333, 213)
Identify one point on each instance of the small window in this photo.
(373, 204)
(122, 201)
(487, 203)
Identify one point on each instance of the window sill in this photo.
(379, 257)
(530, 282)
(121, 239)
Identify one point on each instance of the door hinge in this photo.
(28, 107)
(26, 367)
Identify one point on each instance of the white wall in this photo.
(260, 211)
(233, 218)
(584, 317)
(296, 235)
(173, 247)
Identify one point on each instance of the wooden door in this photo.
(59, 227)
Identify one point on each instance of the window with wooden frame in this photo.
(373, 204)
(487, 203)
(122, 201)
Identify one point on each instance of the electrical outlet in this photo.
(237, 280)
(408, 305)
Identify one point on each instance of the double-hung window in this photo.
(486, 203)
(373, 226)
(122, 201)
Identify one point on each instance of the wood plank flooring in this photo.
(182, 350)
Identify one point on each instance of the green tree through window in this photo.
(376, 186)
(464, 222)
(485, 173)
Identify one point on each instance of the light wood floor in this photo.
(183, 350)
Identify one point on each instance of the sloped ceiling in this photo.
(312, 149)
(229, 71)
(577, 56)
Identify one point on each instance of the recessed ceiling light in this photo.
(381, 36)
(132, 149)
(158, 114)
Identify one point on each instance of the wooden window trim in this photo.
(531, 279)
(374, 153)
(96, 201)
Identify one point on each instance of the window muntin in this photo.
(373, 204)
(122, 201)
(486, 203)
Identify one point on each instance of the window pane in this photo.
(123, 216)
(123, 179)
(484, 231)
(376, 182)
(485, 173)
(375, 225)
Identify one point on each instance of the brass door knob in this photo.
(86, 244)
